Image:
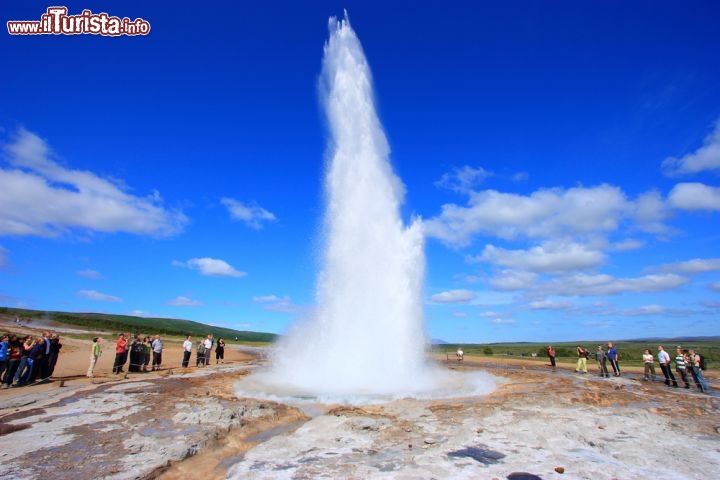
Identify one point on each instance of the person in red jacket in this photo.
(121, 352)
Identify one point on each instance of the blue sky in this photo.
(564, 157)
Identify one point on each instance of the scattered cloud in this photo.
(705, 158)
(454, 296)
(509, 280)
(634, 312)
(503, 321)
(210, 266)
(254, 216)
(551, 305)
(459, 314)
(489, 314)
(40, 197)
(273, 303)
(520, 177)
(184, 302)
(89, 273)
(463, 179)
(715, 286)
(3, 256)
(102, 297)
(626, 245)
(550, 257)
(546, 213)
(140, 313)
(696, 265)
(598, 285)
(694, 196)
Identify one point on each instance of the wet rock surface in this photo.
(177, 426)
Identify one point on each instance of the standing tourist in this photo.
(613, 356)
(157, 348)
(187, 350)
(649, 363)
(695, 361)
(680, 367)
(208, 348)
(94, 355)
(147, 350)
(601, 358)
(200, 354)
(220, 351)
(551, 356)
(582, 355)
(664, 362)
(460, 354)
(13, 361)
(55, 347)
(121, 347)
(4, 353)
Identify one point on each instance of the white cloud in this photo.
(184, 302)
(453, 296)
(551, 305)
(273, 303)
(94, 295)
(550, 257)
(696, 265)
(509, 280)
(3, 256)
(463, 179)
(139, 313)
(544, 213)
(88, 273)
(694, 196)
(715, 286)
(40, 197)
(635, 312)
(626, 245)
(489, 314)
(705, 158)
(597, 285)
(211, 267)
(503, 321)
(252, 215)
(459, 314)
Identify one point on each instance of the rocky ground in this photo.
(191, 424)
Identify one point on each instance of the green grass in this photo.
(143, 325)
(630, 351)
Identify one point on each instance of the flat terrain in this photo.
(189, 423)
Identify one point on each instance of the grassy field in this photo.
(630, 351)
(130, 324)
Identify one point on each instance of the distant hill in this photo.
(145, 325)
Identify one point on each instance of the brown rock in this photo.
(560, 469)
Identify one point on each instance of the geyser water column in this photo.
(367, 335)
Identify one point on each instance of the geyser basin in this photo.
(442, 384)
(366, 339)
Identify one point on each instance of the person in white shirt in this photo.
(187, 349)
(460, 354)
(664, 361)
(208, 348)
(649, 363)
(157, 348)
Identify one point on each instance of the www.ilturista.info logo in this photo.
(57, 22)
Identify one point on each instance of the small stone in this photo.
(560, 469)
(430, 441)
(479, 430)
(409, 445)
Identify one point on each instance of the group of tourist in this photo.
(687, 361)
(29, 359)
(138, 349)
(203, 351)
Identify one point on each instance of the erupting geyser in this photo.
(367, 335)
